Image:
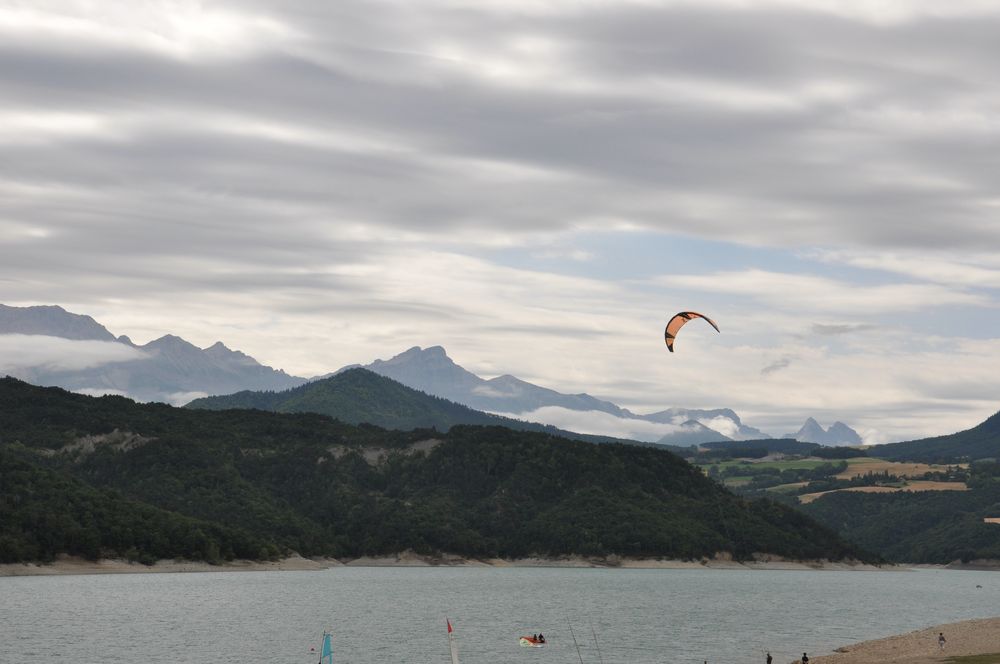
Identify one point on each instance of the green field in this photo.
(737, 481)
(855, 466)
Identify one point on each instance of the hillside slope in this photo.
(917, 527)
(304, 482)
(430, 370)
(980, 442)
(359, 396)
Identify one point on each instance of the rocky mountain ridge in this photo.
(168, 369)
(838, 434)
(432, 371)
(172, 370)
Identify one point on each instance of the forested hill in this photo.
(109, 477)
(357, 396)
(360, 396)
(980, 442)
(936, 527)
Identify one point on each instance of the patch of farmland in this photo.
(863, 465)
(921, 485)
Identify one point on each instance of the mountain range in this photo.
(358, 396)
(172, 370)
(167, 369)
(430, 370)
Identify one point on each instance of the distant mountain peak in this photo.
(53, 321)
(838, 434)
(430, 351)
(724, 421)
(692, 432)
(507, 378)
(418, 355)
(171, 341)
(223, 353)
(430, 370)
(810, 428)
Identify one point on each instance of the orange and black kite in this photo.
(678, 321)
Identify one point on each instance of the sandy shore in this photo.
(72, 565)
(970, 637)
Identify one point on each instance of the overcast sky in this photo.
(536, 185)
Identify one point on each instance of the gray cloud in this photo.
(22, 354)
(829, 330)
(678, 119)
(777, 365)
(311, 184)
(604, 424)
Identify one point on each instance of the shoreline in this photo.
(962, 639)
(69, 565)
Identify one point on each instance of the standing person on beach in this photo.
(941, 640)
(805, 658)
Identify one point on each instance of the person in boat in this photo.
(541, 638)
(768, 658)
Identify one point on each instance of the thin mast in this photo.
(596, 644)
(451, 643)
(574, 641)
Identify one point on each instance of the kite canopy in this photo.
(678, 321)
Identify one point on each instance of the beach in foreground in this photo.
(962, 639)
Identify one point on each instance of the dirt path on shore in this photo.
(970, 637)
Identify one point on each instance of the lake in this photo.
(397, 615)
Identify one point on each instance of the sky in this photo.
(535, 186)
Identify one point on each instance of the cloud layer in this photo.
(320, 184)
(20, 353)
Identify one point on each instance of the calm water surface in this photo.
(397, 615)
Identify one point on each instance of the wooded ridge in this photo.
(107, 477)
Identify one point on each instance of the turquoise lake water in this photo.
(397, 615)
